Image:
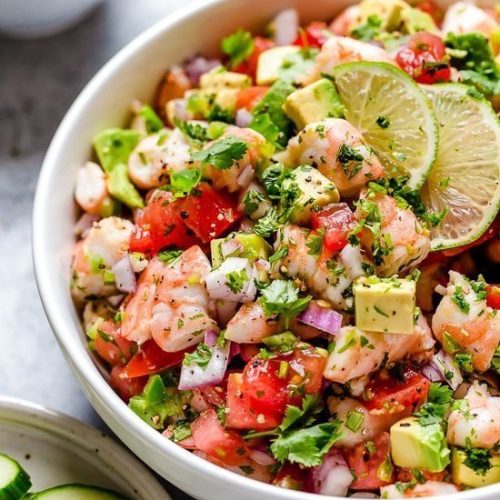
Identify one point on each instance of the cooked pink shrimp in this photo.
(401, 243)
(242, 172)
(329, 145)
(156, 156)
(373, 423)
(465, 316)
(358, 353)
(340, 49)
(250, 325)
(328, 277)
(464, 17)
(91, 192)
(171, 304)
(427, 489)
(343, 23)
(478, 424)
(106, 243)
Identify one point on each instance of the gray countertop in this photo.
(38, 82)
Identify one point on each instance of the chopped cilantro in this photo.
(315, 243)
(281, 253)
(438, 403)
(268, 224)
(236, 280)
(252, 200)
(238, 47)
(464, 361)
(181, 430)
(247, 469)
(383, 121)
(369, 30)
(196, 133)
(458, 298)
(350, 160)
(222, 153)
(478, 459)
(169, 256)
(201, 356)
(273, 178)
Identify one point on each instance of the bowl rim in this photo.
(83, 365)
(57, 425)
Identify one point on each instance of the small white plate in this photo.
(56, 449)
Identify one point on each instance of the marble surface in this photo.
(38, 81)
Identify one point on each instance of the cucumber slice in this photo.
(14, 480)
(76, 492)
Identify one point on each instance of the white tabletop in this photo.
(38, 81)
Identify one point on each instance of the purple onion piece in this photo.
(124, 275)
(324, 319)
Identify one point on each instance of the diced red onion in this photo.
(124, 275)
(84, 224)
(246, 176)
(243, 118)
(234, 350)
(286, 27)
(333, 477)
(230, 248)
(210, 338)
(324, 319)
(246, 225)
(116, 300)
(225, 311)
(180, 110)
(195, 376)
(198, 402)
(439, 366)
(198, 65)
(261, 457)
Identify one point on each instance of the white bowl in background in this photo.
(55, 449)
(134, 74)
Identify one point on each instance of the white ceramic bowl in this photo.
(134, 73)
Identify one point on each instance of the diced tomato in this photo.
(315, 35)
(489, 234)
(111, 346)
(210, 437)
(248, 351)
(423, 58)
(493, 296)
(240, 412)
(150, 359)
(396, 394)
(209, 213)
(160, 225)
(370, 463)
(267, 390)
(309, 365)
(126, 387)
(249, 67)
(214, 395)
(338, 220)
(432, 9)
(249, 97)
(291, 477)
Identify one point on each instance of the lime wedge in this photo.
(393, 113)
(465, 178)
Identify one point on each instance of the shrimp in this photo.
(173, 87)
(373, 423)
(242, 172)
(91, 192)
(464, 315)
(427, 489)
(106, 244)
(464, 17)
(338, 151)
(171, 304)
(250, 325)
(340, 49)
(328, 277)
(358, 353)
(478, 424)
(344, 22)
(393, 236)
(156, 156)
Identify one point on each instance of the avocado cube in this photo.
(120, 187)
(384, 304)
(113, 146)
(254, 247)
(314, 103)
(389, 11)
(462, 474)
(200, 102)
(418, 446)
(310, 191)
(271, 62)
(218, 80)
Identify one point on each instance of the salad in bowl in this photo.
(287, 262)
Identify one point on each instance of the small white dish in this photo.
(56, 449)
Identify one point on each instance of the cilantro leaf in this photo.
(273, 178)
(315, 241)
(222, 153)
(282, 297)
(169, 256)
(478, 460)
(438, 403)
(201, 356)
(196, 133)
(268, 224)
(183, 182)
(369, 30)
(301, 417)
(235, 280)
(238, 47)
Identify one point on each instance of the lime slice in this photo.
(393, 113)
(465, 178)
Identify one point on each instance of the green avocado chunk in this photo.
(121, 188)
(114, 145)
(254, 247)
(313, 103)
(462, 474)
(417, 446)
